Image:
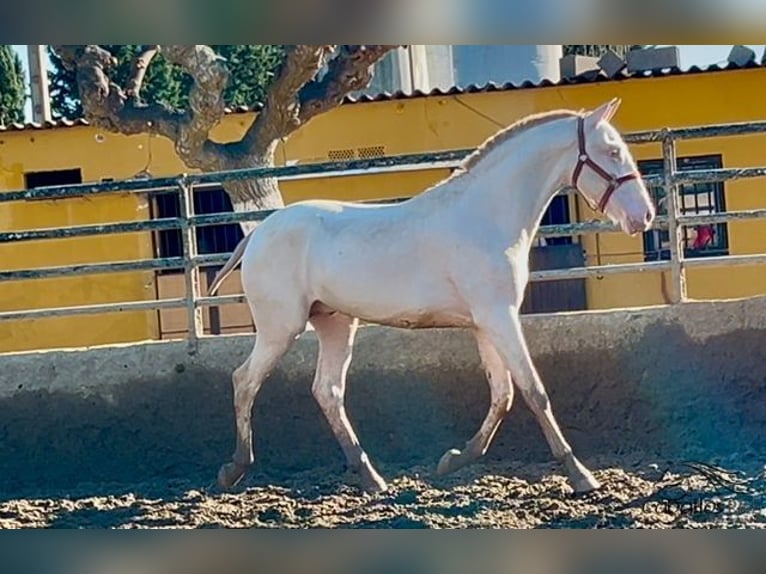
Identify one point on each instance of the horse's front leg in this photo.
(501, 399)
(502, 327)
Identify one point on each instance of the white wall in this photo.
(428, 66)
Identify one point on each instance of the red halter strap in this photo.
(584, 159)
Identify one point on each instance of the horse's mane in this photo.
(521, 125)
(504, 134)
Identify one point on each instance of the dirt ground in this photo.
(490, 494)
(145, 455)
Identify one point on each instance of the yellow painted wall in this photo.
(62, 149)
(99, 155)
(689, 100)
(401, 126)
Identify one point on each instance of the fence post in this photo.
(195, 324)
(675, 231)
(214, 311)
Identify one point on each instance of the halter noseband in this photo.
(584, 159)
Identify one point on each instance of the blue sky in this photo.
(691, 55)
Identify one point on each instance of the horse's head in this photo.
(606, 173)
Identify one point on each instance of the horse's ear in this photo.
(605, 111)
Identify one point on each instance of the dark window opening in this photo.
(211, 238)
(556, 214)
(35, 179)
(696, 199)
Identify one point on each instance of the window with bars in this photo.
(210, 238)
(696, 199)
(556, 214)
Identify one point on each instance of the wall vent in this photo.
(350, 154)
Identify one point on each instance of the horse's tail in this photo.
(236, 255)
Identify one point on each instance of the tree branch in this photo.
(292, 100)
(349, 71)
(108, 106)
(295, 98)
(280, 114)
(206, 103)
(104, 102)
(91, 63)
(139, 68)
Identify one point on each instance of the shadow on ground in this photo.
(678, 400)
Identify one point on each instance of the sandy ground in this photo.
(490, 494)
(150, 449)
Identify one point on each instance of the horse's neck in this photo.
(511, 187)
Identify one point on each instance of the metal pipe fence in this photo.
(187, 222)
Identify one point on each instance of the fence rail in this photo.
(191, 262)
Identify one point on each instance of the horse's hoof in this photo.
(586, 483)
(449, 462)
(230, 474)
(372, 482)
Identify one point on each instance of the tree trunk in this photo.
(251, 194)
(246, 196)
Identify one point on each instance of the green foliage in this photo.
(62, 87)
(251, 66)
(12, 86)
(252, 70)
(597, 50)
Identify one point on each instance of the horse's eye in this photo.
(614, 152)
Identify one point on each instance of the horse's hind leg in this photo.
(335, 333)
(501, 399)
(270, 345)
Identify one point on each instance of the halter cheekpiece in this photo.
(584, 159)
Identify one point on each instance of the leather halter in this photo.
(584, 159)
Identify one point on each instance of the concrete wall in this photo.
(684, 382)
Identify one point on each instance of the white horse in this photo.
(454, 256)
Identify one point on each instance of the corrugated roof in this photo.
(593, 77)
(61, 123)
